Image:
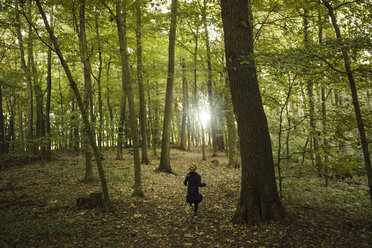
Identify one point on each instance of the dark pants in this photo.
(196, 204)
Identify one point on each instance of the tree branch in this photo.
(329, 64)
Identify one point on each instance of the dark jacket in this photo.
(193, 182)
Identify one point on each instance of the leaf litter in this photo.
(337, 216)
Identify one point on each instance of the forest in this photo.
(107, 105)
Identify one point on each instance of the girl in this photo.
(193, 182)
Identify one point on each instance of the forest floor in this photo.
(38, 208)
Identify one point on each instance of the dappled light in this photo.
(185, 123)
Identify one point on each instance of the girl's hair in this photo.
(192, 168)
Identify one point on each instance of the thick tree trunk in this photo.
(209, 82)
(164, 157)
(185, 106)
(354, 94)
(128, 89)
(143, 119)
(73, 85)
(259, 201)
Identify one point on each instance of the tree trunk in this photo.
(155, 125)
(49, 95)
(2, 130)
(26, 70)
(310, 94)
(354, 94)
(231, 129)
(87, 87)
(128, 89)
(143, 119)
(209, 82)
(195, 93)
(185, 106)
(164, 157)
(73, 85)
(119, 153)
(259, 201)
(100, 110)
(109, 104)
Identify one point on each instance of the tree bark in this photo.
(87, 86)
(124, 72)
(231, 129)
(106, 199)
(164, 157)
(128, 89)
(26, 70)
(354, 94)
(143, 119)
(185, 105)
(259, 201)
(100, 107)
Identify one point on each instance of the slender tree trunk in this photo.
(155, 126)
(259, 200)
(73, 85)
(231, 129)
(143, 120)
(21, 138)
(11, 133)
(185, 104)
(109, 104)
(100, 110)
(87, 86)
(310, 94)
(195, 93)
(3, 143)
(2, 130)
(119, 154)
(209, 82)
(128, 89)
(49, 95)
(164, 157)
(26, 70)
(354, 94)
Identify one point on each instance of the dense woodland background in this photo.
(130, 92)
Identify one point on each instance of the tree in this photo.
(87, 85)
(259, 201)
(354, 94)
(185, 106)
(106, 199)
(145, 159)
(209, 81)
(164, 157)
(121, 23)
(26, 70)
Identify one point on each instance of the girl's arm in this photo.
(186, 179)
(200, 184)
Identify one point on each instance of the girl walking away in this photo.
(193, 182)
